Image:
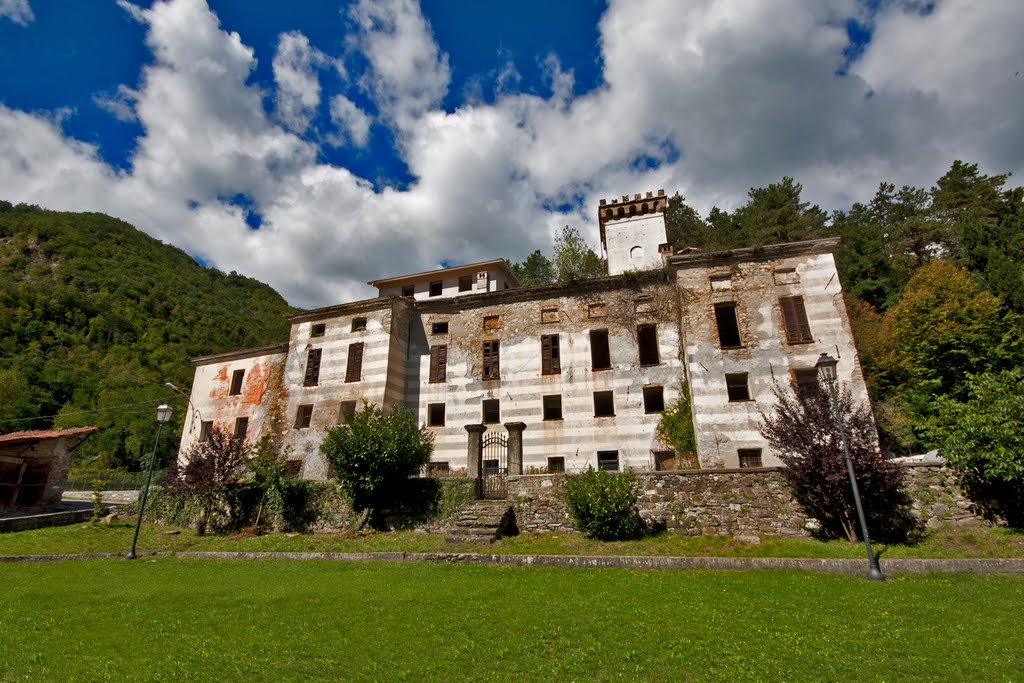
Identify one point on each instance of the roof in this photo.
(499, 263)
(270, 349)
(44, 434)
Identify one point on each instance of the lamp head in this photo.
(826, 366)
(163, 413)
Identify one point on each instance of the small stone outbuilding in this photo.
(34, 467)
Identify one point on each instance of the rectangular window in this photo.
(664, 461)
(491, 411)
(750, 457)
(293, 468)
(241, 427)
(805, 379)
(552, 407)
(604, 406)
(465, 283)
(786, 276)
(236, 382)
(492, 322)
(409, 290)
(556, 464)
(550, 363)
(492, 367)
(439, 328)
(728, 325)
(312, 377)
(600, 358)
(548, 315)
(798, 331)
(597, 310)
(304, 417)
(721, 282)
(435, 415)
(436, 287)
(358, 324)
(608, 460)
(647, 340)
(354, 370)
(439, 363)
(654, 399)
(645, 304)
(440, 468)
(204, 430)
(318, 330)
(346, 409)
(736, 386)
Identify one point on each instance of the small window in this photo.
(318, 330)
(548, 315)
(556, 464)
(786, 276)
(647, 340)
(608, 460)
(645, 304)
(439, 468)
(736, 386)
(312, 377)
(664, 461)
(805, 379)
(721, 283)
(439, 328)
(750, 457)
(728, 325)
(241, 427)
(465, 283)
(346, 409)
(491, 411)
(636, 253)
(436, 288)
(552, 407)
(293, 468)
(549, 355)
(600, 358)
(794, 316)
(354, 369)
(604, 406)
(358, 324)
(304, 417)
(654, 399)
(598, 310)
(439, 363)
(492, 367)
(435, 415)
(409, 290)
(205, 428)
(492, 322)
(236, 382)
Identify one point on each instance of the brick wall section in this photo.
(730, 501)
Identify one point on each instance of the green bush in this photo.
(603, 505)
(676, 426)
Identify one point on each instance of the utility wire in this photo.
(87, 412)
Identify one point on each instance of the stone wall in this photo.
(731, 501)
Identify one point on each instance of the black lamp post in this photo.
(827, 371)
(163, 414)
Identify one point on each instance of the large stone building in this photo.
(588, 367)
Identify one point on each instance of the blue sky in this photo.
(318, 145)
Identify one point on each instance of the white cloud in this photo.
(298, 84)
(353, 122)
(18, 11)
(121, 103)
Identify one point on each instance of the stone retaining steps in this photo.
(483, 521)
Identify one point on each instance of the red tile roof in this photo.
(44, 434)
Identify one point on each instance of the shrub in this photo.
(676, 426)
(211, 469)
(603, 505)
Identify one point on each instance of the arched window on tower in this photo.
(636, 253)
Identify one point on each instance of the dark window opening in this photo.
(492, 367)
(292, 468)
(438, 468)
(491, 411)
(358, 324)
(435, 414)
(439, 328)
(604, 406)
(409, 290)
(204, 431)
(236, 382)
(647, 340)
(465, 283)
(549, 355)
(312, 367)
(805, 379)
(346, 409)
(750, 457)
(354, 369)
(608, 460)
(600, 357)
(241, 427)
(318, 330)
(552, 407)
(794, 316)
(664, 461)
(439, 363)
(728, 326)
(436, 287)
(304, 417)
(654, 399)
(736, 386)
(556, 464)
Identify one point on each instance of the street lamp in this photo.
(163, 414)
(195, 411)
(826, 366)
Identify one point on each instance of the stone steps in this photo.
(483, 521)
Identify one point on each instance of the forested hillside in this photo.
(95, 316)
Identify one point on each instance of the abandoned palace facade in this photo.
(583, 369)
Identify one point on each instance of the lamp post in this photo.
(163, 414)
(826, 366)
(189, 404)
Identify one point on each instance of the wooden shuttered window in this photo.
(438, 362)
(794, 316)
(354, 369)
(492, 368)
(549, 355)
(312, 367)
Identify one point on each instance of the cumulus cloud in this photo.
(352, 121)
(18, 11)
(298, 83)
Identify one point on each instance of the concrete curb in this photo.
(828, 565)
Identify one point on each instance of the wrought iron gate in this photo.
(494, 467)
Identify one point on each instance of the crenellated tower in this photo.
(633, 232)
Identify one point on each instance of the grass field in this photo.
(185, 619)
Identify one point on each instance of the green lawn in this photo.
(86, 538)
(185, 619)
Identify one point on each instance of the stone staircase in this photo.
(483, 521)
